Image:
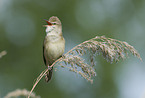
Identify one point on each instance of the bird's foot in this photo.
(49, 68)
(63, 56)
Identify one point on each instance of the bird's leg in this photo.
(63, 56)
(49, 68)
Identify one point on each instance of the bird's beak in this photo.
(49, 23)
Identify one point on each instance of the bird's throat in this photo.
(53, 37)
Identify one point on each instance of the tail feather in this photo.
(49, 75)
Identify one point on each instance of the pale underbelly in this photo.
(54, 51)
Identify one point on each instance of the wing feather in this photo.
(44, 54)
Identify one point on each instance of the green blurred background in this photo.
(22, 34)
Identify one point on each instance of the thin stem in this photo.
(37, 81)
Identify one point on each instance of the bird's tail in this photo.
(49, 75)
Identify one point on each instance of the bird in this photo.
(53, 45)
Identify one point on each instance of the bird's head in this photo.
(53, 25)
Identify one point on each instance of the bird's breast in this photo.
(54, 49)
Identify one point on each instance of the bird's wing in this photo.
(44, 55)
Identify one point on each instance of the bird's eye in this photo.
(54, 23)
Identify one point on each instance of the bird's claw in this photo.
(49, 67)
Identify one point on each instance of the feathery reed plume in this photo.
(19, 93)
(2, 53)
(111, 50)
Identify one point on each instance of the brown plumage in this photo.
(54, 44)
